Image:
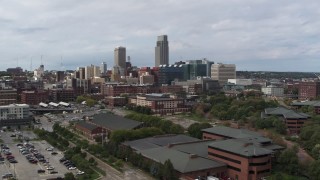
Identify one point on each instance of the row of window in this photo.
(225, 158)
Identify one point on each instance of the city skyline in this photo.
(254, 35)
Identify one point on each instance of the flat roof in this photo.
(242, 147)
(286, 113)
(114, 122)
(87, 125)
(231, 132)
(158, 141)
(181, 161)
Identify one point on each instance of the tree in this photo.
(91, 102)
(314, 170)
(288, 160)
(168, 172)
(69, 176)
(80, 99)
(194, 129)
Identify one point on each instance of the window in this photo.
(234, 168)
(264, 171)
(259, 164)
(225, 158)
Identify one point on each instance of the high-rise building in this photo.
(162, 51)
(103, 68)
(223, 72)
(120, 57)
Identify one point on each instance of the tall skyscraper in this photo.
(103, 68)
(162, 51)
(120, 57)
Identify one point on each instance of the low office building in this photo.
(116, 101)
(188, 155)
(88, 129)
(244, 158)
(293, 120)
(248, 155)
(15, 114)
(272, 90)
(160, 103)
(314, 104)
(109, 122)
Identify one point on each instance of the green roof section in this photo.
(114, 122)
(231, 132)
(242, 147)
(87, 125)
(181, 161)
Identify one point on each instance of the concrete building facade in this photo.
(162, 51)
(223, 72)
(120, 57)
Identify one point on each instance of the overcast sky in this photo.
(271, 35)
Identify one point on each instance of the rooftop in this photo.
(86, 125)
(243, 147)
(181, 161)
(114, 122)
(306, 103)
(286, 113)
(231, 132)
(158, 141)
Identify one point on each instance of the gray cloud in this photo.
(254, 34)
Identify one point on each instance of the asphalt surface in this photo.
(25, 170)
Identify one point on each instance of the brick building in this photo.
(309, 90)
(8, 96)
(88, 129)
(294, 120)
(115, 101)
(160, 103)
(248, 155)
(65, 95)
(34, 97)
(314, 104)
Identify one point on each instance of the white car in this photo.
(50, 168)
(72, 168)
(49, 149)
(80, 172)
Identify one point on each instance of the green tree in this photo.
(91, 102)
(194, 129)
(69, 176)
(314, 169)
(80, 99)
(288, 161)
(168, 172)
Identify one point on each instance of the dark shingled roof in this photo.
(286, 113)
(181, 161)
(86, 125)
(113, 122)
(231, 132)
(198, 147)
(243, 147)
(306, 103)
(158, 141)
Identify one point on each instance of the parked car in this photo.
(50, 168)
(53, 172)
(41, 171)
(54, 153)
(80, 172)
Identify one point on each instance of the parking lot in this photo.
(23, 169)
